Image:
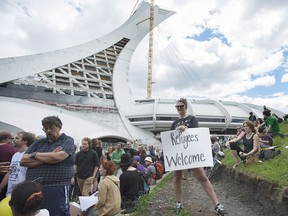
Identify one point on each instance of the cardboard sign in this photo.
(187, 149)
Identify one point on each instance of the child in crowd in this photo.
(26, 200)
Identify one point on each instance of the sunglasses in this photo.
(179, 106)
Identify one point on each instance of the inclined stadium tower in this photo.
(87, 87)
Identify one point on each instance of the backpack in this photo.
(159, 170)
(268, 154)
(143, 185)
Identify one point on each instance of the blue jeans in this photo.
(56, 200)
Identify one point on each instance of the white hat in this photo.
(149, 159)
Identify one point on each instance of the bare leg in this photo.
(200, 175)
(177, 185)
(184, 174)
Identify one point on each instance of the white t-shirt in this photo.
(43, 212)
(17, 172)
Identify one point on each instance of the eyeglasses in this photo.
(45, 129)
(179, 106)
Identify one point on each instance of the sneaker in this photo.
(179, 205)
(219, 209)
(218, 161)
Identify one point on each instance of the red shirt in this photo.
(6, 153)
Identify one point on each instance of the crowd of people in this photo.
(53, 172)
(257, 134)
(41, 176)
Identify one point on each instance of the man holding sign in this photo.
(193, 153)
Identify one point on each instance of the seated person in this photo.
(109, 199)
(240, 132)
(285, 117)
(215, 145)
(280, 120)
(272, 125)
(250, 142)
(259, 121)
(136, 163)
(150, 172)
(265, 139)
(26, 199)
(129, 183)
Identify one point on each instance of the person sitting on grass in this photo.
(240, 133)
(250, 142)
(129, 184)
(266, 140)
(215, 145)
(285, 118)
(272, 125)
(136, 163)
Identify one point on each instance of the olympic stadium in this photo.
(87, 86)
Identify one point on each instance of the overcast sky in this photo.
(216, 49)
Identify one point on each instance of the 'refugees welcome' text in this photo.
(180, 159)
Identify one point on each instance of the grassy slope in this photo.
(274, 170)
(143, 202)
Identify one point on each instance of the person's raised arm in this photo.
(238, 138)
(268, 128)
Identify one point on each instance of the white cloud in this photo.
(256, 32)
(284, 78)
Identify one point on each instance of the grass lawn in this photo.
(274, 170)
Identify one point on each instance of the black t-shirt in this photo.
(252, 118)
(189, 121)
(129, 185)
(99, 150)
(86, 163)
